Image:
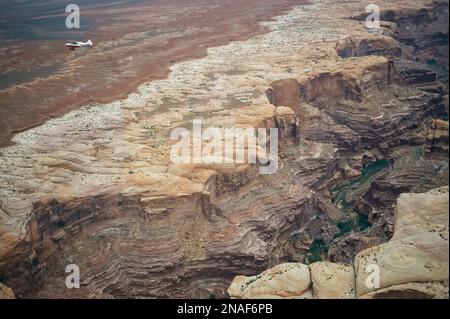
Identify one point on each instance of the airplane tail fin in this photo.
(89, 42)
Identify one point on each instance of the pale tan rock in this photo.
(104, 172)
(332, 281)
(291, 280)
(6, 292)
(413, 264)
(414, 290)
(419, 248)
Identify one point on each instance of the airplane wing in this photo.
(73, 44)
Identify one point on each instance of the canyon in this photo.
(411, 265)
(362, 118)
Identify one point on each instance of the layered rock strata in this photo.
(413, 264)
(97, 188)
(6, 292)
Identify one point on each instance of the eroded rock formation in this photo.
(418, 251)
(6, 292)
(413, 264)
(97, 188)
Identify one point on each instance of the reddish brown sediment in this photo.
(359, 121)
(123, 56)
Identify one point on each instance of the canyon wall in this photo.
(359, 124)
(413, 264)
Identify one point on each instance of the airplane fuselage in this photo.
(77, 44)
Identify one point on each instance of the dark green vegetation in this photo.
(441, 70)
(353, 220)
(358, 223)
(341, 191)
(316, 250)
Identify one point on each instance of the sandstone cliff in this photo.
(355, 113)
(413, 264)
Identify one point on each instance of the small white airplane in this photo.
(77, 44)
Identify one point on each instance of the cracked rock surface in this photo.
(96, 187)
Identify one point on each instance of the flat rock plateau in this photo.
(363, 171)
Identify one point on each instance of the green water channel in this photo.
(352, 220)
